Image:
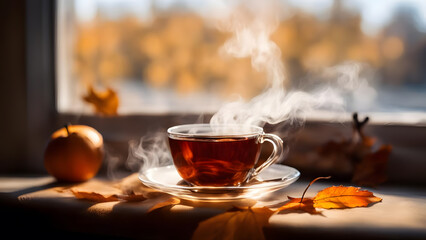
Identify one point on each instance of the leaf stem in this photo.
(306, 189)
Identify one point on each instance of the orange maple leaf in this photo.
(104, 103)
(302, 204)
(243, 224)
(332, 197)
(344, 197)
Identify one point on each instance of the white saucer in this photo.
(166, 179)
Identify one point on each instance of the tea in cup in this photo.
(220, 155)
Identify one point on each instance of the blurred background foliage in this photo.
(178, 49)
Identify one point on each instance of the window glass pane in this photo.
(168, 56)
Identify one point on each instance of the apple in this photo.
(74, 153)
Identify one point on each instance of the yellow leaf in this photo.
(344, 197)
(104, 103)
(243, 224)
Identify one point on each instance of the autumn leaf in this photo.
(93, 196)
(169, 202)
(332, 197)
(132, 186)
(344, 197)
(132, 197)
(104, 191)
(371, 171)
(302, 204)
(341, 156)
(97, 191)
(355, 156)
(242, 224)
(104, 103)
(299, 204)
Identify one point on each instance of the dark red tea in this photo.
(215, 161)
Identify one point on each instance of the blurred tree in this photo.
(178, 50)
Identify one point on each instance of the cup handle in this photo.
(277, 153)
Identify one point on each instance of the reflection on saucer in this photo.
(168, 180)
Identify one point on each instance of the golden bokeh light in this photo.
(392, 48)
(181, 51)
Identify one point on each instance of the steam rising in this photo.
(251, 30)
(251, 27)
(150, 151)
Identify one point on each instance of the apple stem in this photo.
(66, 127)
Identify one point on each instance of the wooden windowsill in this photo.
(29, 202)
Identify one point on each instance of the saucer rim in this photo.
(294, 175)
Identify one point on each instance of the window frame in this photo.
(40, 71)
(43, 117)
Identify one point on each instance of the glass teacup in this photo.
(220, 155)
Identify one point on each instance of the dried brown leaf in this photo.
(355, 156)
(105, 191)
(97, 191)
(131, 185)
(298, 204)
(371, 171)
(243, 224)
